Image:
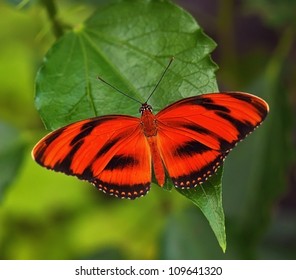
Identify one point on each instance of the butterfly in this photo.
(186, 141)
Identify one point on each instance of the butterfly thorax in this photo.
(148, 120)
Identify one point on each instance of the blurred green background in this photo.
(46, 215)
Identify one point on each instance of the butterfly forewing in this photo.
(111, 152)
(195, 134)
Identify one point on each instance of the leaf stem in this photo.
(57, 26)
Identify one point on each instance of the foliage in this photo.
(11, 154)
(45, 215)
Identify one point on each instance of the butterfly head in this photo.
(145, 107)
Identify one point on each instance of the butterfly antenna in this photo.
(161, 77)
(118, 90)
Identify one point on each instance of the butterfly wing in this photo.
(110, 152)
(195, 134)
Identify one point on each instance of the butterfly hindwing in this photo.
(195, 134)
(111, 152)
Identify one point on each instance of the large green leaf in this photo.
(128, 44)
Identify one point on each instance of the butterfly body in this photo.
(149, 128)
(188, 140)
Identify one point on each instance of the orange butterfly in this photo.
(188, 139)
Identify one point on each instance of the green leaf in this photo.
(277, 13)
(11, 155)
(209, 199)
(128, 44)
